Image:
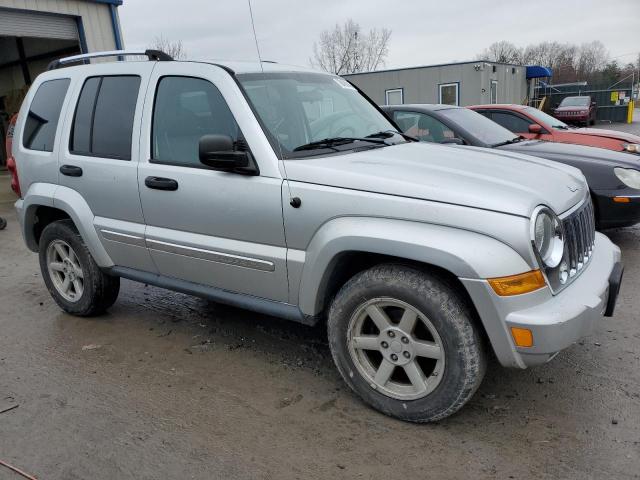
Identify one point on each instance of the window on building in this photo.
(44, 113)
(394, 96)
(494, 91)
(511, 122)
(185, 109)
(103, 122)
(449, 94)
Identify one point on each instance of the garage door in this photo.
(34, 24)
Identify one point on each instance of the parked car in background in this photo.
(579, 110)
(532, 123)
(613, 177)
(288, 192)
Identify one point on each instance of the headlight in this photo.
(547, 236)
(632, 147)
(628, 176)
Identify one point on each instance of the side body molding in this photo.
(464, 253)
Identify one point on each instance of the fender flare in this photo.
(464, 253)
(70, 202)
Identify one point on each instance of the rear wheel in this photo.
(72, 277)
(405, 342)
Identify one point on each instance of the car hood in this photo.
(601, 132)
(475, 177)
(575, 153)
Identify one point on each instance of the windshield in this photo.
(297, 109)
(575, 102)
(478, 126)
(540, 116)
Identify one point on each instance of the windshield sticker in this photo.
(343, 83)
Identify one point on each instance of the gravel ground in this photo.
(167, 386)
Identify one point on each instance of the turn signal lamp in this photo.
(518, 284)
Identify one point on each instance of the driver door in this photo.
(210, 227)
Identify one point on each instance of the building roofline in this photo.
(117, 3)
(434, 66)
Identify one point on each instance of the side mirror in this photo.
(593, 104)
(535, 128)
(457, 141)
(220, 153)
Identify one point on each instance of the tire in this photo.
(94, 291)
(443, 319)
(3, 223)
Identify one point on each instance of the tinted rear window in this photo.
(44, 113)
(81, 133)
(103, 124)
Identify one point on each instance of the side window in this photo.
(511, 122)
(423, 127)
(103, 122)
(185, 109)
(44, 113)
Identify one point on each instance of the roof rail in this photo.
(153, 55)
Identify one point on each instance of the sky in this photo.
(424, 32)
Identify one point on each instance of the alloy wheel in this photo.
(65, 270)
(396, 348)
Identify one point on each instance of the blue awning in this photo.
(536, 71)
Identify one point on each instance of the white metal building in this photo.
(462, 83)
(35, 32)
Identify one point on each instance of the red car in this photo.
(532, 123)
(580, 110)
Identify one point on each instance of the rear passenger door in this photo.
(205, 226)
(99, 159)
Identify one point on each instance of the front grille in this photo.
(580, 235)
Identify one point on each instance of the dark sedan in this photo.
(613, 177)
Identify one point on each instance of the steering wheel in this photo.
(329, 121)
(342, 132)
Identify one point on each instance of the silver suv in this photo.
(288, 192)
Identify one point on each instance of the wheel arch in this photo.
(345, 246)
(46, 203)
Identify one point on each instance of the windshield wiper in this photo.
(509, 142)
(391, 133)
(332, 142)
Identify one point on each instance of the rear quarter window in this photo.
(44, 114)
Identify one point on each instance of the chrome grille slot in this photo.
(579, 228)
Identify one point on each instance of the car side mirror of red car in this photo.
(535, 128)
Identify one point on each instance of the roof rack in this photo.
(153, 55)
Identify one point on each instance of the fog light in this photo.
(522, 337)
(621, 199)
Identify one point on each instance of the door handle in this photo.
(71, 171)
(160, 183)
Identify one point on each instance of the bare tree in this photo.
(592, 57)
(345, 49)
(171, 48)
(502, 52)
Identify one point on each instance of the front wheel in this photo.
(406, 343)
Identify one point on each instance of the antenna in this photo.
(294, 202)
(255, 37)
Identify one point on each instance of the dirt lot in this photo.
(170, 386)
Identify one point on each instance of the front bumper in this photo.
(611, 214)
(556, 322)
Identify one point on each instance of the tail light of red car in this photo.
(15, 181)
